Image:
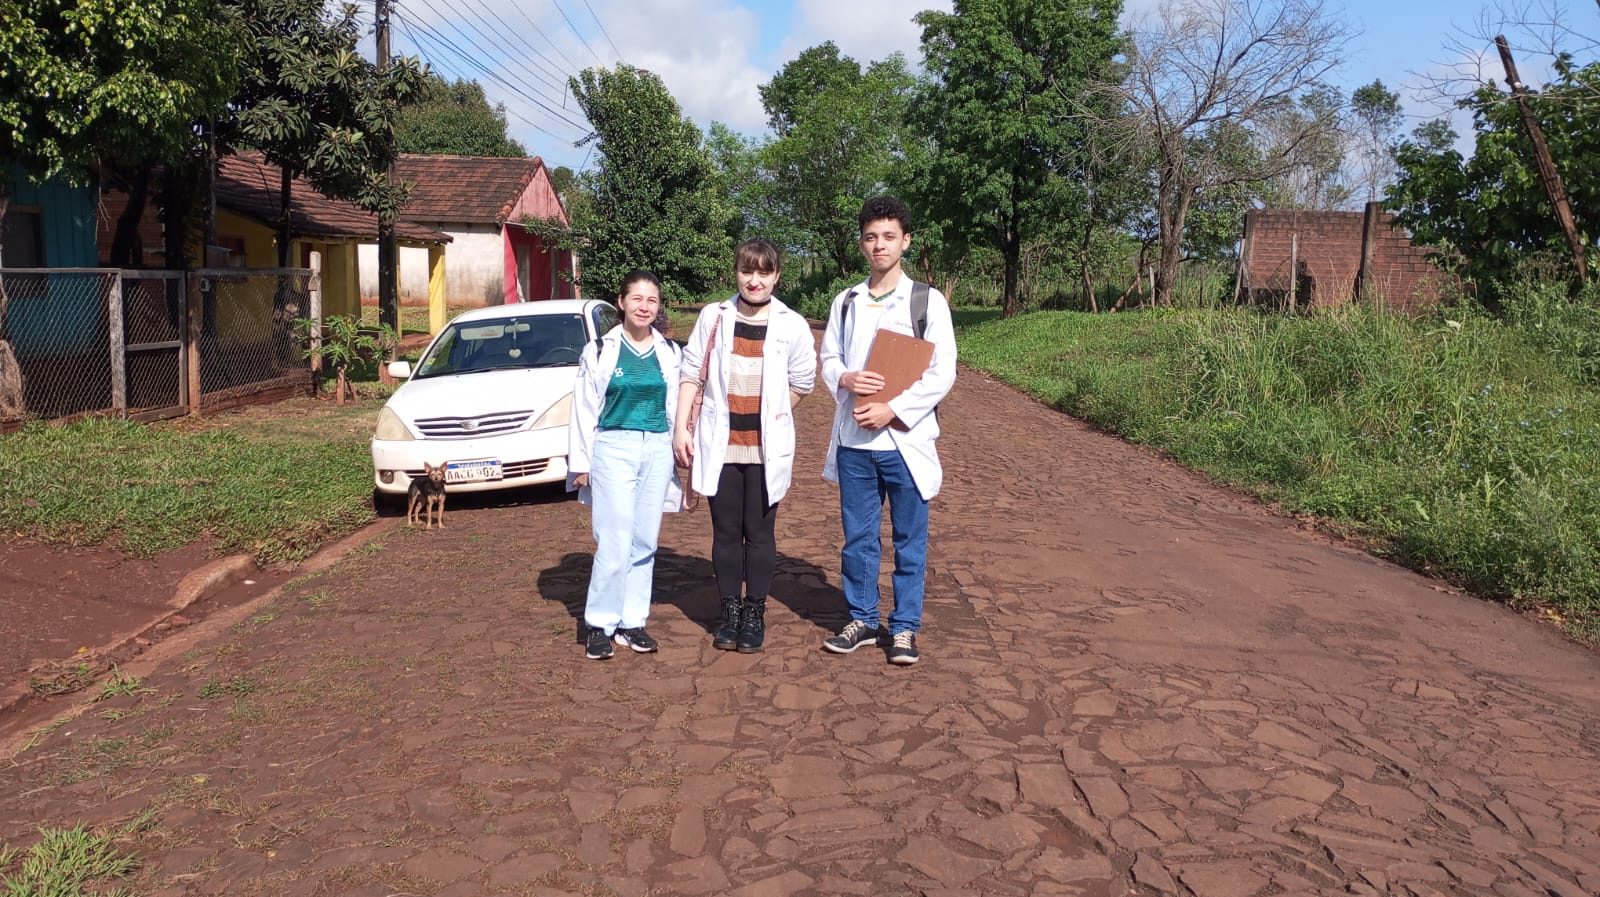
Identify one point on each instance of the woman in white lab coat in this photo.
(758, 359)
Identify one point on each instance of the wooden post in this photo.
(119, 352)
(1548, 176)
(1294, 267)
(1242, 270)
(1369, 247)
(314, 314)
(193, 310)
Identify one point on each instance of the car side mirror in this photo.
(400, 370)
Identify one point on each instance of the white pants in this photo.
(628, 476)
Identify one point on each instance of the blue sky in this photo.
(713, 54)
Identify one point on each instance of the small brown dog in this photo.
(427, 496)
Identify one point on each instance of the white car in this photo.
(489, 398)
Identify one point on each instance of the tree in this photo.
(561, 179)
(814, 71)
(1310, 177)
(316, 107)
(454, 118)
(1376, 113)
(97, 80)
(835, 148)
(736, 160)
(652, 199)
(1203, 62)
(1003, 105)
(1491, 209)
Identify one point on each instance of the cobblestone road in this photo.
(1132, 681)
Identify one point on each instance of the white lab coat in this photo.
(589, 399)
(788, 364)
(915, 407)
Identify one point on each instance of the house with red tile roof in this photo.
(324, 233)
(480, 203)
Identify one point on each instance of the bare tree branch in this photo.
(1201, 65)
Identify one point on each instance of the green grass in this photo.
(1461, 445)
(277, 482)
(72, 862)
(413, 318)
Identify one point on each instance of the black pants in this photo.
(743, 548)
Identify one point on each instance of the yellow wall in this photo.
(244, 307)
(340, 279)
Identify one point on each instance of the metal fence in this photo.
(86, 340)
(247, 339)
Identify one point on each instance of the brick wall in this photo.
(1327, 248)
(152, 251)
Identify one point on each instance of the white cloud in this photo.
(864, 31)
(699, 48)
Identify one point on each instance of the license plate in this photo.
(471, 471)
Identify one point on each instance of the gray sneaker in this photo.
(852, 636)
(903, 649)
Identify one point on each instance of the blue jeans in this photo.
(865, 478)
(628, 476)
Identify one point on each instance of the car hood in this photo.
(489, 392)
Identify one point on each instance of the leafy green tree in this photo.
(454, 118)
(1490, 209)
(835, 149)
(96, 81)
(561, 179)
(737, 162)
(814, 71)
(1375, 111)
(652, 199)
(1003, 106)
(315, 106)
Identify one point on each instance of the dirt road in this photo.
(1130, 680)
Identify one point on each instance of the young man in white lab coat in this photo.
(871, 459)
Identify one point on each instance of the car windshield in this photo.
(525, 341)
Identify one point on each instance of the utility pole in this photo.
(1548, 176)
(388, 251)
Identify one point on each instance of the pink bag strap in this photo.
(705, 360)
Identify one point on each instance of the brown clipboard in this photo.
(901, 360)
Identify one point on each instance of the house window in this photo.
(22, 244)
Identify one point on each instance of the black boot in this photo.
(752, 625)
(726, 638)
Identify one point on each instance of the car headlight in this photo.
(391, 428)
(557, 416)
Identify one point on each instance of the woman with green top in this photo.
(620, 462)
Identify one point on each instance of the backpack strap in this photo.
(919, 308)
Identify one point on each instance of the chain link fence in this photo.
(248, 349)
(55, 346)
(82, 341)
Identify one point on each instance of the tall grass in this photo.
(1462, 443)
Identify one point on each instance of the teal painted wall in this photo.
(69, 218)
(58, 315)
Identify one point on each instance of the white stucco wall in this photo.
(474, 263)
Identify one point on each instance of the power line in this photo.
(560, 76)
(486, 33)
(575, 31)
(603, 31)
(471, 59)
(417, 34)
(540, 31)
